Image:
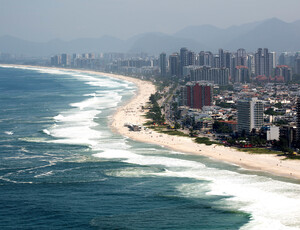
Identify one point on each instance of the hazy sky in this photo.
(43, 20)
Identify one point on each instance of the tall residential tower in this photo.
(250, 115)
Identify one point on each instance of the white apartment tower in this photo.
(250, 115)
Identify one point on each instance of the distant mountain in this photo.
(14, 45)
(213, 36)
(273, 33)
(155, 43)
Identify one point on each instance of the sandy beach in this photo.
(132, 113)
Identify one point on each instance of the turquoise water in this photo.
(61, 167)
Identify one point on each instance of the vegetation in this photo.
(192, 133)
(220, 127)
(205, 140)
(270, 111)
(176, 111)
(177, 126)
(282, 145)
(155, 112)
(223, 88)
(174, 132)
(281, 122)
(258, 150)
(293, 156)
(223, 104)
(162, 83)
(278, 105)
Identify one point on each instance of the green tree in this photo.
(177, 126)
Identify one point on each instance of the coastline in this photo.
(131, 112)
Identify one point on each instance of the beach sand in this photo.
(132, 112)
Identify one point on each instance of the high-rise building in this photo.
(297, 65)
(218, 76)
(201, 58)
(191, 58)
(75, 55)
(163, 64)
(198, 94)
(91, 56)
(259, 62)
(56, 60)
(298, 122)
(65, 60)
(282, 59)
(250, 115)
(227, 59)
(174, 64)
(251, 64)
(232, 65)
(217, 62)
(85, 55)
(241, 74)
(263, 62)
(268, 60)
(208, 59)
(273, 59)
(289, 133)
(183, 59)
(222, 59)
(241, 57)
(283, 71)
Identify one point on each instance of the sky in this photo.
(44, 20)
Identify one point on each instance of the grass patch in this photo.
(205, 140)
(148, 123)
(174, 133)
(292, 156)
(258, 151)
(269, 151)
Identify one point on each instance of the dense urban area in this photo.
(247, 100)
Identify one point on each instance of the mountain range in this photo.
(273, 33)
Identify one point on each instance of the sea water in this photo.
(61, 166)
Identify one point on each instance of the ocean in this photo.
(61, 166)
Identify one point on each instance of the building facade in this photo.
(163, 64)
(241, 74)
(174, 65)
(250, 115)
(283, 71)
(298, 122)
(263, 62)
(218, 76)
(197, 94)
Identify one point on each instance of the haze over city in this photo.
(41, 21)
(138, 114)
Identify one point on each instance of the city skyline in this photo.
(46, 20)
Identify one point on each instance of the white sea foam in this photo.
(77, 125)
(49, 173)
(9, 133)
(272, 204)
(267, 200)
(46, 131)
(33, 139)
(109, 100)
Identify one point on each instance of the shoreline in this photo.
(131, 112)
